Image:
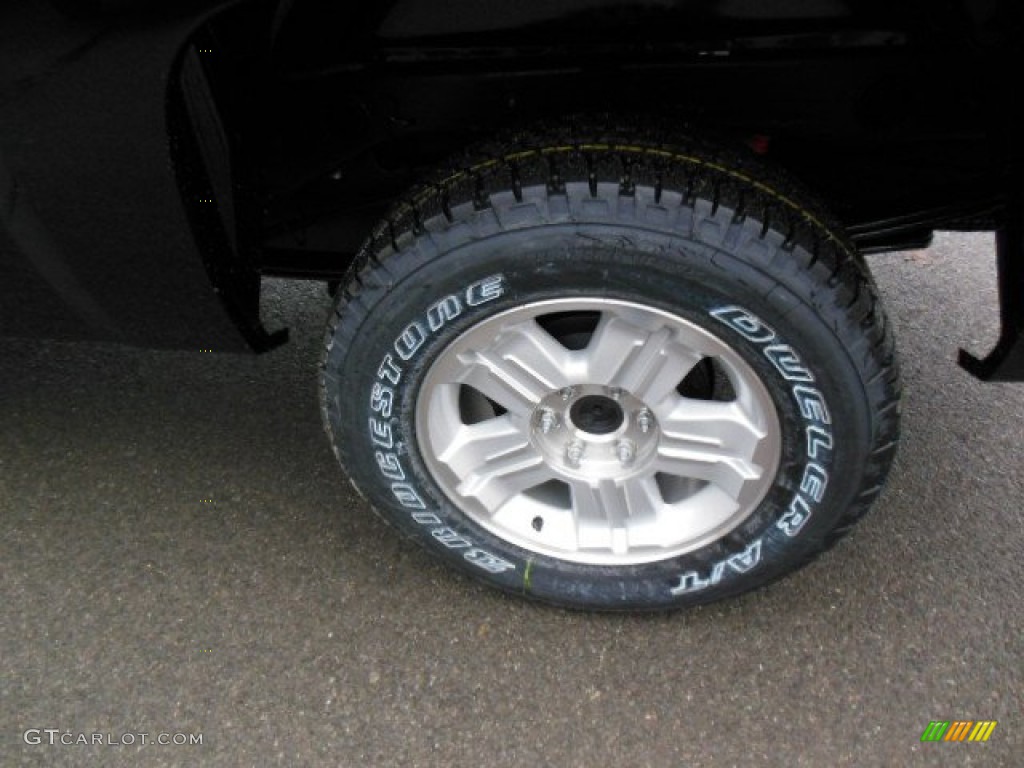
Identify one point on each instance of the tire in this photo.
(609, 372)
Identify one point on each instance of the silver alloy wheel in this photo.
(586, 449)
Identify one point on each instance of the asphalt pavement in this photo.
(181, 557)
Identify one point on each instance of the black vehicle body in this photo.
(158, 158)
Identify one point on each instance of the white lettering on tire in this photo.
(818, 430)
(741, 562)
(384, 431)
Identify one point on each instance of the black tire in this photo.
(703, 234)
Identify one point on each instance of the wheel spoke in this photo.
(650, 364)
(606, 511)
(518, 368)
(601, 515)
(712, 441)
(494, 460)
(643, 498)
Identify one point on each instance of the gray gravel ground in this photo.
(180, 554)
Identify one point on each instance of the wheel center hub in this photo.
(592, 432)
(596, 414)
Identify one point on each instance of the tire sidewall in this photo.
(430, 301)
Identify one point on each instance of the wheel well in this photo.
(332, 112)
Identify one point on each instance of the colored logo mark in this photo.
(958, 730)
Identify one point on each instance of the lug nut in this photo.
(574, 452)
(548, 420)
(626, 451)
(643, 420)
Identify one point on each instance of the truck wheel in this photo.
(608, 372)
